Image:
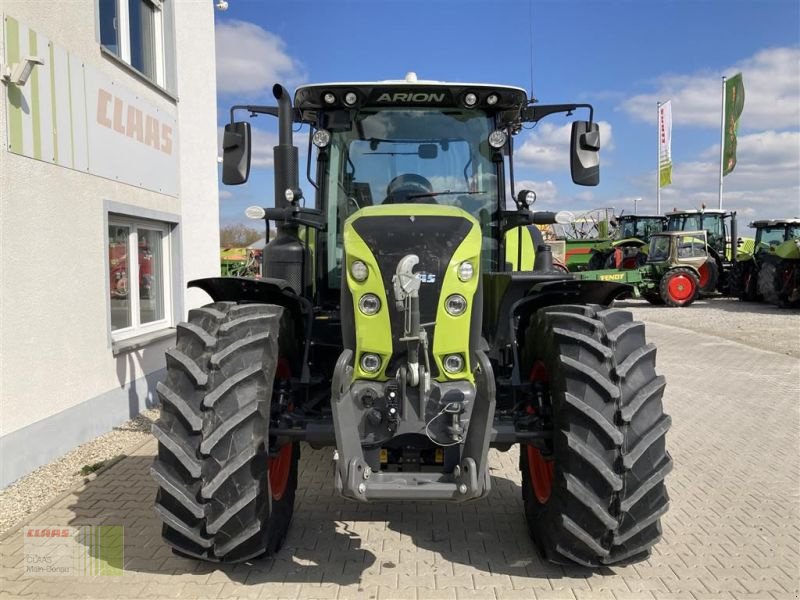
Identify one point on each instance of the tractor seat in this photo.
(403, 189)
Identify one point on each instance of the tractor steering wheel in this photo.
(403, 188)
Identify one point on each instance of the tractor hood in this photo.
(441, 238)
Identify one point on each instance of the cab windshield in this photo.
(409, 155)
(641, 228)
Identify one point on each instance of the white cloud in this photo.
(772, 88)
(225, 194)
(546, 148)
(250, 59)
(764, 184)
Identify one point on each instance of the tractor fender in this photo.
(519, 309)
(628, 243)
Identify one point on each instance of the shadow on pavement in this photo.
(333, 540)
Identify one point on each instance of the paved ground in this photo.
(733, 530)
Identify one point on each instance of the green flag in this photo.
(734, 103)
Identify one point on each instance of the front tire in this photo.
(679, 287)
(594, 494)
(222, 497)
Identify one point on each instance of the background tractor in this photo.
(723, 243)
(389, 325)
(772, 246)
(671, 273)
(628, 249)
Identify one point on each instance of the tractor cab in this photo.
(639, 227)
(772, 233)
(719, 225)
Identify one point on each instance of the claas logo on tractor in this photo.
(342, 346)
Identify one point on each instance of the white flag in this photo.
(665, 144)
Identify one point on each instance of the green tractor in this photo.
(723, 243)
(389, 327)
(776, 254)
(671, 273)
(629, 249)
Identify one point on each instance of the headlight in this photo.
(321, 138)
(370, 363)
(453, 363)
(470, 99)
(465, 271)
(455, 305)
(369, 304)
(491, 99)
(350, 98)
(329, 98)
(497, 139)
(359, 271)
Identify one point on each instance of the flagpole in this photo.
(721, 143)
(658, 158)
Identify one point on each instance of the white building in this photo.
(108, 178)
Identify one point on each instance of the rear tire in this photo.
(767, 282)
(744, 281)
(678, 287)
(709, 277)
(607, 460)
(217, 495)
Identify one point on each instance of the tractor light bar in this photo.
(255, 212)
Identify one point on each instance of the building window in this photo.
(139, 276)
(140, 32)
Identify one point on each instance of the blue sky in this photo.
(622, 57)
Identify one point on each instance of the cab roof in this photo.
(409, 92)
(695, 211)
(774, 222)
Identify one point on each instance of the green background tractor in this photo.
(671, 273)
(723, 243)
(772, 246)
(630, 245)
(389, 326)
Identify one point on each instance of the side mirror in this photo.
(236, 153)
(584, 156)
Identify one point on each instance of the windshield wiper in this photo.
(445, 193)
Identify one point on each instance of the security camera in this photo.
(19, 73)
(222, 5)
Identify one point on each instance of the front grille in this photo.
(433, 239)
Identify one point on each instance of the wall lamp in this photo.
(18, 73)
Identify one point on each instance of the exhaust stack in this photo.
(285, 153)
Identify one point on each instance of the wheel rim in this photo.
(280, 467)
(704, 275)
(680, 288)
(540, 470)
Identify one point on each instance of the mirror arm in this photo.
(254, 110)
(532, 114)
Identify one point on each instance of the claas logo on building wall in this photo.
(126, 119)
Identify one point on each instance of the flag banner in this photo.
(734, 104)
(665, 144)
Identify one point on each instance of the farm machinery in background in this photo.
(771, 270)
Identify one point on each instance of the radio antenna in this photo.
(530, 39)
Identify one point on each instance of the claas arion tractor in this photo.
(390, 327)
